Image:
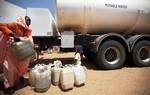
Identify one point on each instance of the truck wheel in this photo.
(111, 55)
(86, 52)
(141, 54)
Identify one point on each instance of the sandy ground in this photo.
(126, 81)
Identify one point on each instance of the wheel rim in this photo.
(112, 55)
(144, 54)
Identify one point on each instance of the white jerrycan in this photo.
(56, 75)
(43, 79)
(67, 78)
(79, 75)
(32, 73)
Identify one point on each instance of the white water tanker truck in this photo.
(110, 31)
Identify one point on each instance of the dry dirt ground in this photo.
(126, 81)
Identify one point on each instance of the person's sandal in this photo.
(9, 90)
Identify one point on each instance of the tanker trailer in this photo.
(111, 31)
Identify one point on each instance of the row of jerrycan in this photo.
(67, 76)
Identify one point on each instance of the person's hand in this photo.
(10, 41)
(14, 37)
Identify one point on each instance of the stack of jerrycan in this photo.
(67, 78)
(56, 69)
(40, 78)
(79, 75)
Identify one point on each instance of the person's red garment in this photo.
(12, 68)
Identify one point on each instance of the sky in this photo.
(50, 4)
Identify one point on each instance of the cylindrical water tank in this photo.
(103, 16)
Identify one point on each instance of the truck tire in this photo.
(111, 55)
(141, 53)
